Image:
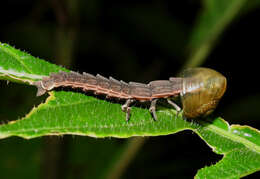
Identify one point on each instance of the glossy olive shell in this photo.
(202, 90)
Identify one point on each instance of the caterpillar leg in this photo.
(176, 107)
(127, 109)
(40, 89)
(152, 109)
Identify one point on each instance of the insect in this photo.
(200, 89)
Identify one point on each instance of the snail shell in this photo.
(201, 91)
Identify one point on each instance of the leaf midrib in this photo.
(51, 130)
(236, 138)
(16, 57)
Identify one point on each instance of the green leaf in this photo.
(78, 114)
(19, 66)
(215, 16)
(240, 146)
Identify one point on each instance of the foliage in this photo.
(163, 35)
(78, 114)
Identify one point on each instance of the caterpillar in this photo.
(200, 89)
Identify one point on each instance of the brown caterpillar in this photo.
(202, 84)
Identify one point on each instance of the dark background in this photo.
(131, 41)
